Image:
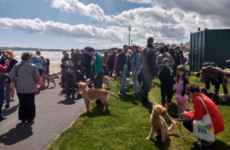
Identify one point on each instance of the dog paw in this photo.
(148, 138)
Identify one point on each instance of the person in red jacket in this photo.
(193, 92)
(114, 67)
(2, 85)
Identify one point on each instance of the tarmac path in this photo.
(54, 114)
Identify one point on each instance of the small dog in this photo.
(158, 123)
(130, 84)
(92, 94)
(127, 80)
(224, 98)
(12, 91)
(106, 81)
(46, 76)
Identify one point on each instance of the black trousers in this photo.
(166, 91)
(27, 108)
(98, 83)
(188, 124)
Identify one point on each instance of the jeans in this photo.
(2, 85)
(147, 77)
(188, 124)
(123, 79)
(136, 85)
(87, 73)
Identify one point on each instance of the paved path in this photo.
(54, 114)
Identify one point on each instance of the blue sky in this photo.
(66, 24)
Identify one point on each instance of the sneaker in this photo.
(119, 93)
(204, 143)
(165, 106)
(7, 106)
(124, 93)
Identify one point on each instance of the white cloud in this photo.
(92, 11)
(37, 26)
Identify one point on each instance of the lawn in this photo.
(126, 125)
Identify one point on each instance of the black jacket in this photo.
(76, 58)
(148, 59)
(166, 78)
(87, 60)
(121, 59)
(111, 58)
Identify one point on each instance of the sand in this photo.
(55, 67)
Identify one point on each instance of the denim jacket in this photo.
(135, 62)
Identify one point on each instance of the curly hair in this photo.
(9, 54)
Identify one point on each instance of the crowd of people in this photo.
(144, 65)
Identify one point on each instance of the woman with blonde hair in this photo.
(37, 61)
(9, 55)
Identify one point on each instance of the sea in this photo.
(53, 56)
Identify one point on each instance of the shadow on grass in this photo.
(218, 145)
(97, 111)
(161, 145)
(130, 98)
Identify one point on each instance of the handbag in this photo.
(203, 129)
(4, 76)
(71, 70)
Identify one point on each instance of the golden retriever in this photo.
(92, 94)
(158, 123)
(12, 91)
(106, 81)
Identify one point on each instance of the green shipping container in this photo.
(209, 46)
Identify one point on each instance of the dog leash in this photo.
(180, 120)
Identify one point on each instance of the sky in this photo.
(102, 24)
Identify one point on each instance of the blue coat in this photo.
(135, 62)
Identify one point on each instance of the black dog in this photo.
(212, 95)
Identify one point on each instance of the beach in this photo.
(55, 67)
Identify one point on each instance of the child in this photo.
(167, 82)
(181, 82)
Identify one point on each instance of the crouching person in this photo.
(193, 93)
(27, 76)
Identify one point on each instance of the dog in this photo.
(208, 93)
(158, 123)
(106, 81)
(46, 76)
(224, 98)
(12, 91)
(127, 80)
(92, 94)
(130, 84)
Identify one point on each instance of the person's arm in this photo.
(198, 112)
(3, 68)
(12, 73)
(137, 62)
(172, 62)
(36, 74)
(185, 83)
(153, 62)
(118, 63)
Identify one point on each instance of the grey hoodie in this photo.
(27, 77)
(160, 60)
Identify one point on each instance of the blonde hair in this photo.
(9, 54)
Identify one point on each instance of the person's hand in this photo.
(95, 76)
(7, 62)
(134, 72)
(183, 115)
(120, 72)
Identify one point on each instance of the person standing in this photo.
(37, 61)
(114, 67)
(135, 68)
(78, 60)
(105, 62)
(1, 55)
(72, 52)
(87, 63)
(9, 55)
(110, 63)
(27, 76)
(97, 71)
(2, 86)
(148, 70)
(123, 66)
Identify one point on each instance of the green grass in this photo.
(126, 125)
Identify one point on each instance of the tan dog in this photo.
(12, 91)
(92, 94)
(106, 81)
(158, 123)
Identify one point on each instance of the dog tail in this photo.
(173, 125)
(113, 95)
